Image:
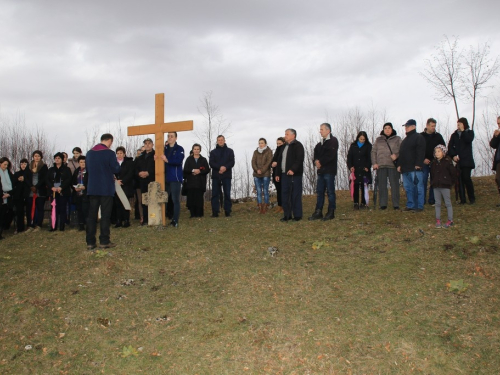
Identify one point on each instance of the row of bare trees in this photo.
(18, 141)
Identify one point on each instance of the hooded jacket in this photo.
(443, 173)
(263, 162)
(101, 165)
(173, 168)
(382, 147)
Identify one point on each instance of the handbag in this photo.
(395, 162)
(184, 190)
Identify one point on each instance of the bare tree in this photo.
(455, 74)
(480, 69)
(19, 140)
(215, 124)
(310, 177)
(443, 72)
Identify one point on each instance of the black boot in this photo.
(126, 224)
(118, 224)
(329, 215)
(318, 214)
(81, 227)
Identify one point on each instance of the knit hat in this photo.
(388, 124)
(443, 148)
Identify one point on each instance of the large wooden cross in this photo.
(159, 128)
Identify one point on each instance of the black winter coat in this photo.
(276, 156)
(443, 173)
(127, 176)
(431, 141)
(294, 159)
(219, 157)
(41, 186)
(327, 155)
(145, 163)
(461, 145)
(198, 181)
(22, 189)
(360, 158)
(495, 143)
(66, 178)
(411, 152)
(74, 181)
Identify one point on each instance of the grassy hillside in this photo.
(371, 292)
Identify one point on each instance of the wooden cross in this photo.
(159, 128)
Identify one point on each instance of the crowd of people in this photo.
(108, 180)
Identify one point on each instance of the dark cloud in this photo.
(270, 64)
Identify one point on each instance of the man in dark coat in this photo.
(495, 144)
(222, 162)
(101, 165)
(145, 172)
(410, 164)
(290, 170)
(325, 160)
(432, 139)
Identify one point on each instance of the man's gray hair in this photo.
(291, 131)
(327, 125)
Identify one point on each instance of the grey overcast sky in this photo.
(271, 65)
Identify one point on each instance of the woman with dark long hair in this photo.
(460, 149)
(359, 162)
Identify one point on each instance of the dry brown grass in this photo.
(208, 299)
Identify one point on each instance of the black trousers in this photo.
(121, 213)
(106, 204)
(21, 212)
(278, 191)
(82, 207)
(466, 185)
(196, 202)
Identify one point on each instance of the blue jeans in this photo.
(174, 190)
(326, 182)
(413, 183)
(226, 187)
(427, 170)
(262, 187)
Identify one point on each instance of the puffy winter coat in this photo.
(262, 161)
